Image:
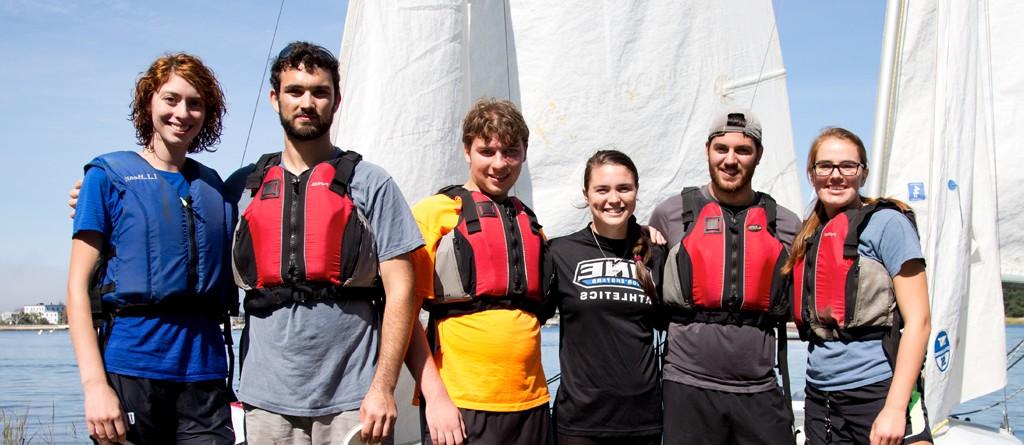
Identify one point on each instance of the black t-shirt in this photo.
(610, 379)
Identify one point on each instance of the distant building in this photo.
(52, 313)
(7, 317)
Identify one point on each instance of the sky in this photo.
(68, 69)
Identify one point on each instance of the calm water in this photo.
(39, 380)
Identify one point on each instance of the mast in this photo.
(885, 104)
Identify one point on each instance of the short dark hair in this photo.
(192, 69)
(490, 117)
(309, 56)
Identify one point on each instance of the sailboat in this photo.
(948, 109)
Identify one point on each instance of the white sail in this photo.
(939, 155)
(642, 77)
(1007, 35)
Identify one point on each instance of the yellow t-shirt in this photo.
(488, 360)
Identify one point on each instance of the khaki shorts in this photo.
(265, 427)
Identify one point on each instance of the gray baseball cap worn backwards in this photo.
(736, 121)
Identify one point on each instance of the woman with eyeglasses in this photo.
(603, 281)
(858, 278)
(150, 268)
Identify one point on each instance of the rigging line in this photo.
(508, 70)
(263, 78)
(764, 60)
(1015, 362)
(508, 64)
(1016, 348)
(1005, 399)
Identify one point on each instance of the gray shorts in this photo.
(265, 427)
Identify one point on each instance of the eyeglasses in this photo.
(847, 168)
(291, 47)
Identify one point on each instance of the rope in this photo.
(764, 60)
(263, 79)
(1007, 399)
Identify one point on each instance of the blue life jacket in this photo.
(165, 249)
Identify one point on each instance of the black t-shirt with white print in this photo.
(610, 384)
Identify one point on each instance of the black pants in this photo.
(528, 427)
(845, 417)
(703, 416)
(164, 412)
(564, 439)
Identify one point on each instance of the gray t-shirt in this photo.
(315, 359)
(738, 359)
(890, 239)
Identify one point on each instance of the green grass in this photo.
(13, 432)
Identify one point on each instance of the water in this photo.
(39, 380)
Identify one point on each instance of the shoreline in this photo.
(34, 327)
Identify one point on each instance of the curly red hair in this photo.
(192, 69)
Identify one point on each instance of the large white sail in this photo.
(642, 77)
(938, 153)
(1005, 18)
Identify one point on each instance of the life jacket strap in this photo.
(344, 169)
(469, 211)
(264, 300)
(255, 179)
(759, 319)
(440, 311)
(691, 205)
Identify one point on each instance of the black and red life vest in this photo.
(839, 294)
(726, 270)
(491, 259)
(303, 239)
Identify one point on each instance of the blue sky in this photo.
(68, 69)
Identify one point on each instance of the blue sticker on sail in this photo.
(942, 351)
(951, 184)
(915, 191)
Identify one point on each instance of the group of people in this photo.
(335, 266)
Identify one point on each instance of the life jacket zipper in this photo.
(515, 241)
(733, 301)
(193, 251)
(292, 224)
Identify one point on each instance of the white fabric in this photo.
(642, 77)
(1005, 18)
(942, 136)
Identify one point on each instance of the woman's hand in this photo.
(889, 427)
(103, 413)
(73, 196)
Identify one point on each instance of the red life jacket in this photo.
(837, 293)
(724, 270)
(491, 259)
(303, 240)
